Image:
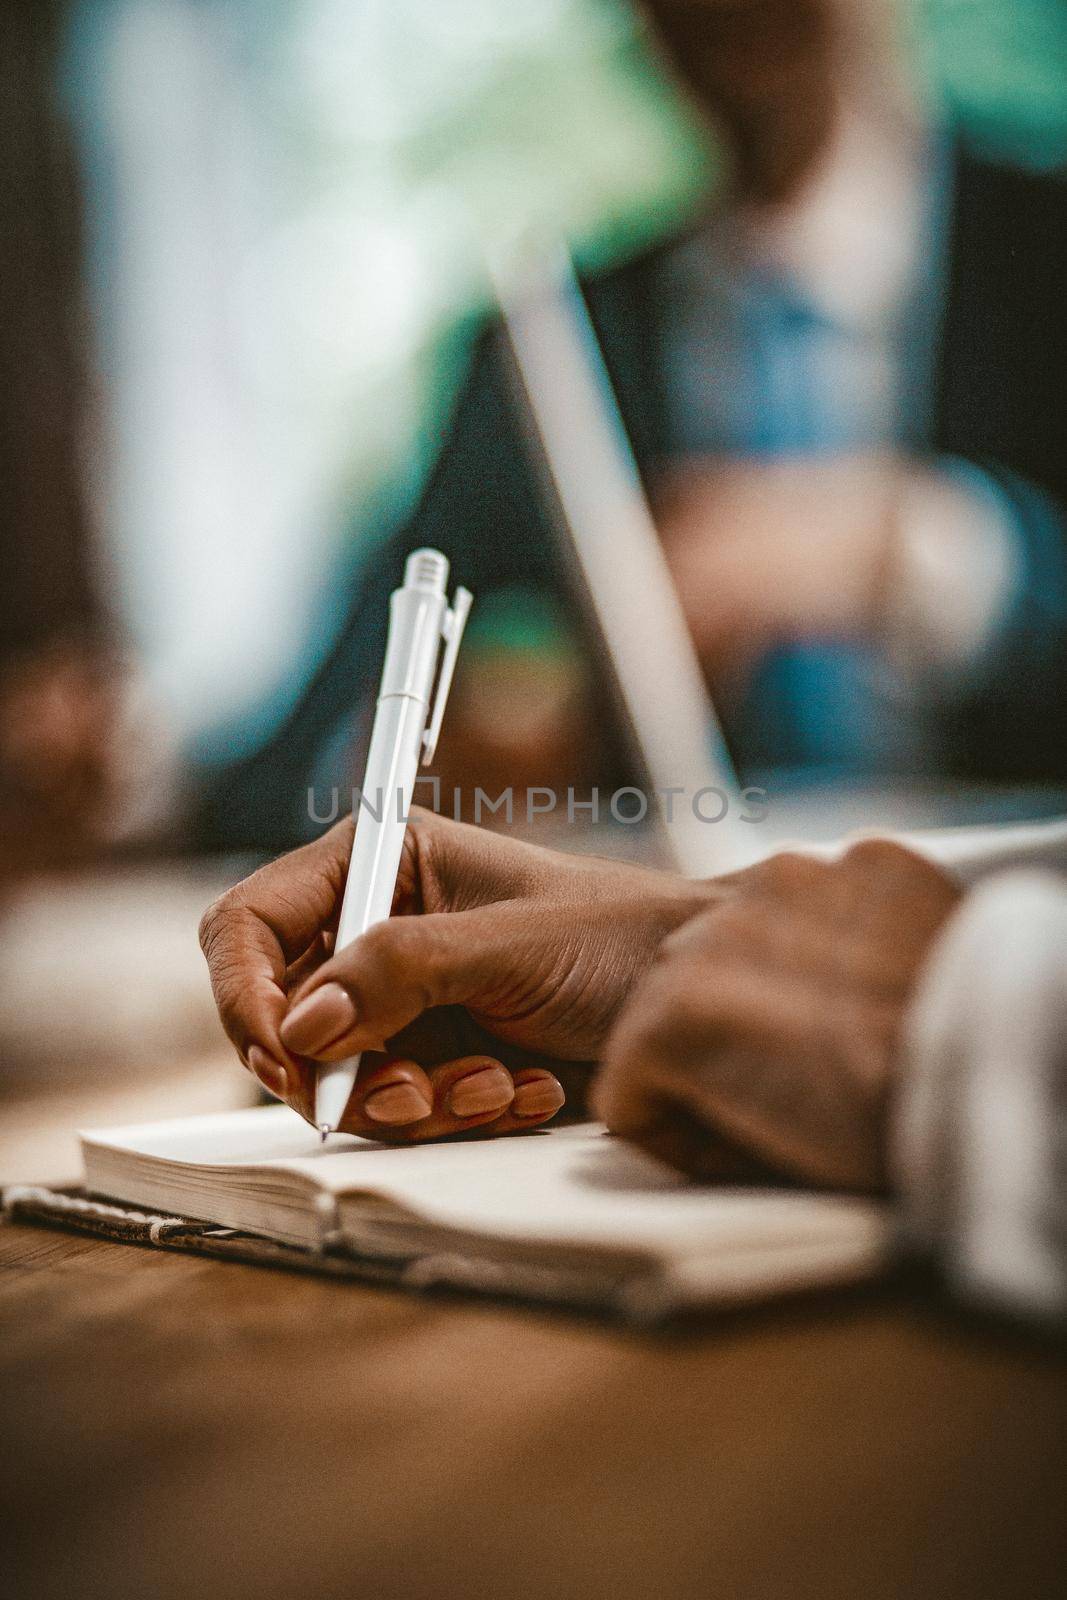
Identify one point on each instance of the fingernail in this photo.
(538, 1098)
(319, 1019)
(271, 1074)
(397, 1103)
(488, 1090)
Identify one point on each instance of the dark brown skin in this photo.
(764, 1038)
(746, 1025)
(501, 963)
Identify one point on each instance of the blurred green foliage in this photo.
(422, 132)
(999, 70)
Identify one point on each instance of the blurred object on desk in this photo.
(105, 1011)
(60, 756)
(39, 1129)
(103, 970)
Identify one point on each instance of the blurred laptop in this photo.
(618, 564)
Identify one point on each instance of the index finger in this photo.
(252, 934)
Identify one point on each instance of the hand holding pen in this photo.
(494, 981)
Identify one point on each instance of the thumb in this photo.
(483, 959)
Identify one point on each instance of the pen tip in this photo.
(324, 1131)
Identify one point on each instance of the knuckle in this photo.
(230, 994)
(876, 855)
(424, 826)
(342, 833)
(792, 870)
(742, 925)
(427, 953)
(392, 957)
(426, 854)
(215, 920)
(430, 866)
(373, 950)
(418, 838)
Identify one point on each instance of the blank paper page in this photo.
(574, 1185)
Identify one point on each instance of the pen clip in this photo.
(452, 632)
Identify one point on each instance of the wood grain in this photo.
(181, 1427)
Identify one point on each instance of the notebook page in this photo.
(580, 1186)
(572, 1185)
(262, 1136)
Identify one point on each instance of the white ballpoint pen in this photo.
(405, 732)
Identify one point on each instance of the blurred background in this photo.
(250, 358)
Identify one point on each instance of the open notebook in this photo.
(569, 1213)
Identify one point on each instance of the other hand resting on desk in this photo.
(766, 1035)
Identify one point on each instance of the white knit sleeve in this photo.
(980, 1132)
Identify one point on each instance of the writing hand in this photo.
(501, 962)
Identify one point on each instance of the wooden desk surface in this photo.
(179, 1427)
